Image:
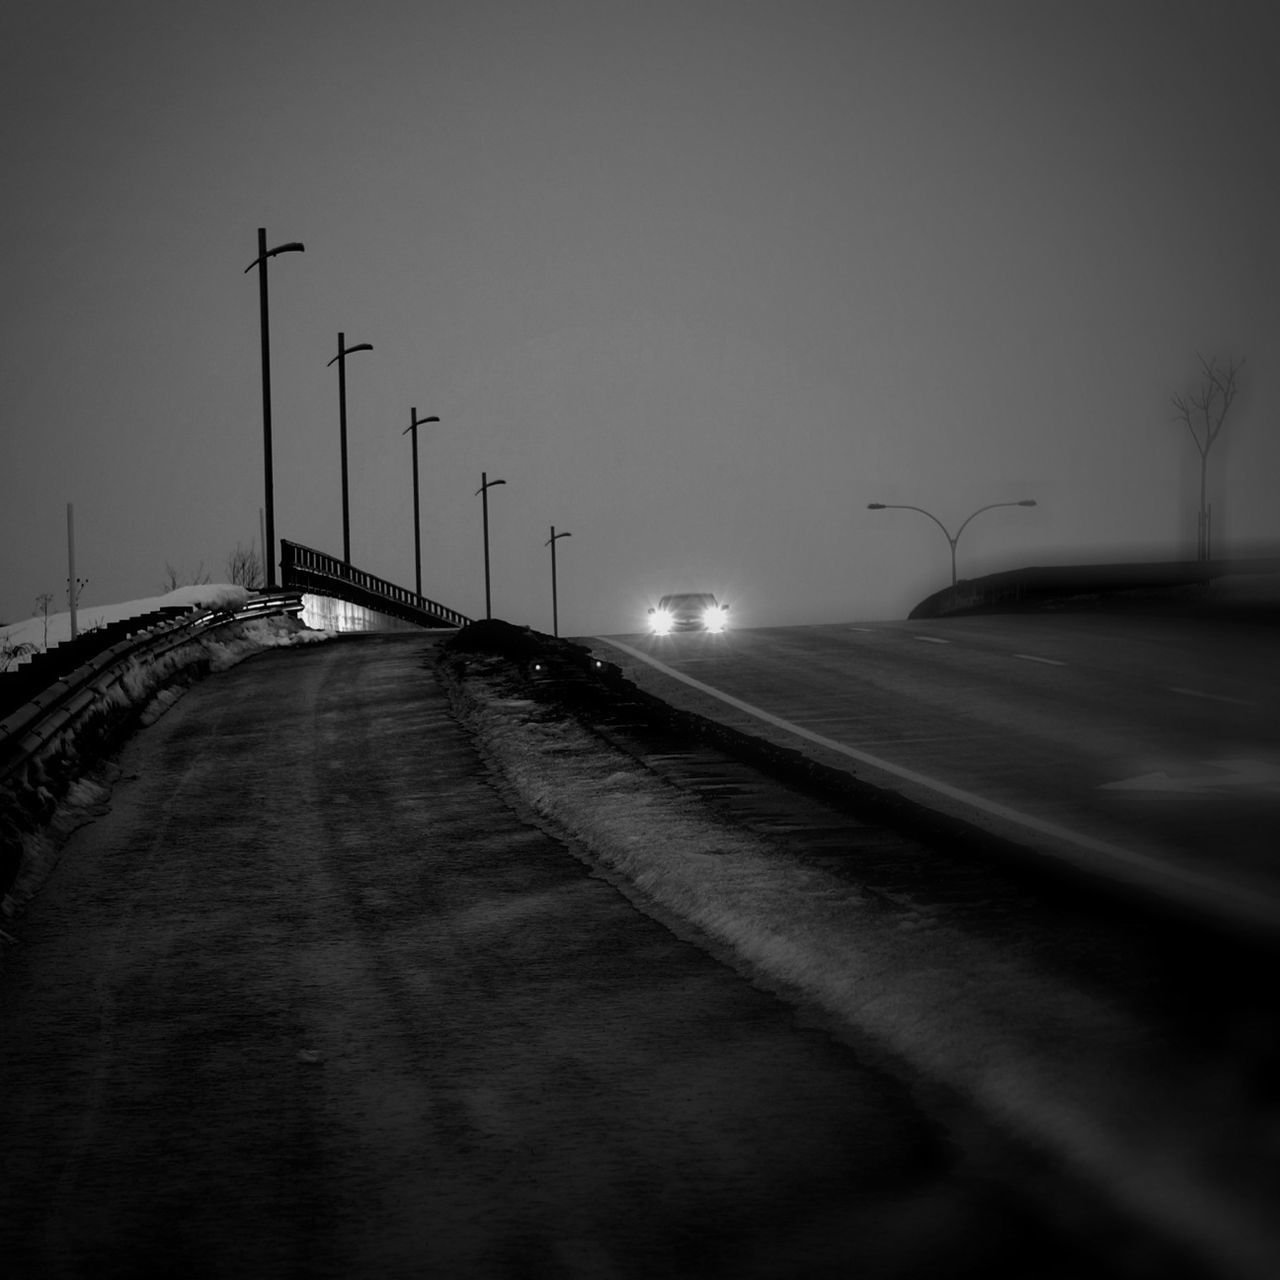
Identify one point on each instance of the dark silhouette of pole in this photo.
(485, 485)
(896, 506)
(72, 585)
(268, 478)
(341, 359)
(412, 430)
(555, 611)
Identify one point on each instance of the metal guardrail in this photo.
(306, 569)
(34, 674)
(28, 728)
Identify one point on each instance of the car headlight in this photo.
(660, 622)
(714, 619)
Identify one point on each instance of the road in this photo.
(1144, 749)
(314, 999)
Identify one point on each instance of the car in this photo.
(688, 611)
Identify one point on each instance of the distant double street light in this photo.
(555, 610)
(951, 539)
(269, 539)
(412, 430)
(341, 360)
(483, 491)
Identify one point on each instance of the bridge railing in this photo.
(306, 569)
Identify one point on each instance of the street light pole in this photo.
(951, 540)
(341, 359)
(485, 485)
(555, 610)
(412, 430)
(269, 548)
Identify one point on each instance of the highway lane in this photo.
(1141, 748)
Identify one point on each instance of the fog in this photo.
(698, 281)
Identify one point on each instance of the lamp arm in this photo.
(923, 512)
(989, 507)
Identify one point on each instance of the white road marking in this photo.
(1254, 905)
(931, 639)
(1034, 657)
(1212, 697)
(868, 630)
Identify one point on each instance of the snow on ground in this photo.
(1062, 1069)
(207, 596)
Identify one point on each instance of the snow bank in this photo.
(205, 596)
(255, 634)
(1061, 1069)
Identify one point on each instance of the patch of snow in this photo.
(204, 596)
(254, 635)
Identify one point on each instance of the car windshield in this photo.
(672, 603)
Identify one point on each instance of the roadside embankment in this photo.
(1242, 589)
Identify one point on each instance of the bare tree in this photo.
(244, 569)
(175, 578)
(1204, 413)
(43, 601)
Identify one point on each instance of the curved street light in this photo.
(341, 359)
(555, 610)
(485, 485)
(414, 423)
(952, 540)
(269, 536)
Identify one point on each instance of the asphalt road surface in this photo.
(1141, 748)
(314, 999)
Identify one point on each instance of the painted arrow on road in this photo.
(1232, 775)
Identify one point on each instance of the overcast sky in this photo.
(698, 280)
